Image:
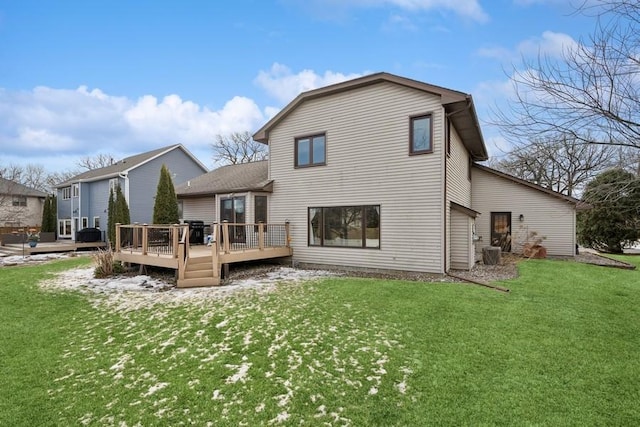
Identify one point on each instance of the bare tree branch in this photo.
(238, 147)
(592, 94)
(563, 164)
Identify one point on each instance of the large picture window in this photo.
(345, 226)
(420, 135)
(310, 151)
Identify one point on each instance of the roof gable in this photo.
(579, 203)
(458, 107)
(9, 187)
(127, 164)
(228, 179)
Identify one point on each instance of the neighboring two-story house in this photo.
(20, 206)
(379, 173)
(83, 200)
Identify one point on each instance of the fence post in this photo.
(145, 239)
(214, 251)
(225, 237)
(175, 234)
(118, 236)
(261, 235)
(287, 235)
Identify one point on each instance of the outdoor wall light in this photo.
(521, 217)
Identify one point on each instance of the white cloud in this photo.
(466, 8)
(550, 44)
(283, 85)
(43, 123)
(337, 10)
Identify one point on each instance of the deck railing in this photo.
(173, 240)
(234, 237)
(151, 239)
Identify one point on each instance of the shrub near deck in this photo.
(561, 349)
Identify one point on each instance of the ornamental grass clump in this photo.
(106, 266)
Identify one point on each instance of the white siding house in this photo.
(376, 199)
(528, 209)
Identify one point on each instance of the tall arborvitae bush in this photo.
(165, 209)
(123, 216)
(118, 212)
(49, 216)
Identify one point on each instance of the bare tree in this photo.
(238, 147)
(592, 93)
(563, 164)
(31, 175)
(96, 162)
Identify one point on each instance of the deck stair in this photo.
(168, 246)
(199, 271)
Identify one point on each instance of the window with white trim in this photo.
(66, 193)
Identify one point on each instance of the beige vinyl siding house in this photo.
(367, 163)
(199, 209)
(460, 221)
(20, 206)
(530, 208)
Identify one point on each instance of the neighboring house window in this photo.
(345, 226)
(180, 209)
(420, 135)
(260, 210)
(75, 190)
(96, 222)
(310, 151)
(64, 228)
(19, 201)
(85, 222)
(66, 193)
(113, 183)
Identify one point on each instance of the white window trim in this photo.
(75, 191)
(94, 222)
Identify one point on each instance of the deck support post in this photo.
(225, 237)
(118, 242)
(261, 236)
(145, 238)
(287, 235)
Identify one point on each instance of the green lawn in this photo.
(563, 348)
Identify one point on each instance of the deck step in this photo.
(194, 274)
(200, 260)
(198, 282)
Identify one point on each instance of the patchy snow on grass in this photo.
(12, 260)
(221, 344)
(126, 293)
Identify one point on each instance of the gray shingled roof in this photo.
(13, 188)
(120, 167)
(227, 179)
(458, 106)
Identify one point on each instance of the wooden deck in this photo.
(49, 247)
(168, 246)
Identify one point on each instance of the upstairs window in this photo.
(75, 190)
(66, 193)
(19, 201)
(310, 151)
(421, 135)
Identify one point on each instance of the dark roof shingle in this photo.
(226, 179)
(8, 187)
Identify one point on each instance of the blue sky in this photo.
(78, 78)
